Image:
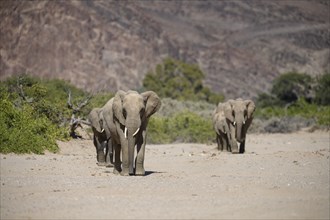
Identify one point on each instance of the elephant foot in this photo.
(115, 171)
(124, 172)
(140, 172)
(101, 164)
(109, 165)
(235, 151)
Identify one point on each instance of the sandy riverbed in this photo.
(280, 176)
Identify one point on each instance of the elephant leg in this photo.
(224, 142)
(117, 163)
(139, 162)
(218, 142)
(228, 140)
(233, 142)
(234, 147)
(125, 161)
(242, 147)
(109, 154)
(100, 157)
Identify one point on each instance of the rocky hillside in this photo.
(108, 45)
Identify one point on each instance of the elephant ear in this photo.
(228, 109)
(250, 107)
(117, 106)
(95, 119)
(152, 102)
(219, 107)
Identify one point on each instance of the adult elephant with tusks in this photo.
(239, 116)
(127, 116)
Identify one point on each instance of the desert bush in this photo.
(280, 124)
(170, 107)
(178, 80)
(23, 132)
(322, 90)
(98, 100)
(34, 114)
(319, 114)
(297, 95)
(184, 126)
(289, 87)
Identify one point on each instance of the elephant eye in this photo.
(124, 113)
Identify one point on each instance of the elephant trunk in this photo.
(239, 132)
(132, 130)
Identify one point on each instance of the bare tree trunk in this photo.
(74, 121)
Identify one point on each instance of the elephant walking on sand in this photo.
(231, 121)
(101, 138)
(239, 116)
(126, 116)
(221, 128)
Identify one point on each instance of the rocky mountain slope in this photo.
(108, 45)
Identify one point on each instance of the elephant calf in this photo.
(100, 138)
(238, 118)
(221, 128)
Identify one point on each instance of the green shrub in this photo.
(98, 100)
(178, 80)
(289, 87)
(184, 126)
(158, 132)
(22, 132)
(266, 100)
(34, 113)
(322, 90)
(301, 108)
(170, 107)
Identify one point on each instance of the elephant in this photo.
(101, 139)
(127, 115)
(239, 116)
(221, 128)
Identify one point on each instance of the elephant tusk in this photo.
(137, 130)
(102, 130)
(243, 122)
(125, 132)
(234, 123)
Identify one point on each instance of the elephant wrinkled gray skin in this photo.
(239, 116)
(126, 116)
(101, 138)
(221, 128)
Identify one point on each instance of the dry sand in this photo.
(281, 176)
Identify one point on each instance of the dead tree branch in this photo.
(21, 91)
(74, 121)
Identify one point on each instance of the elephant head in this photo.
(239, 113)
(95, 117)
(132, 110)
